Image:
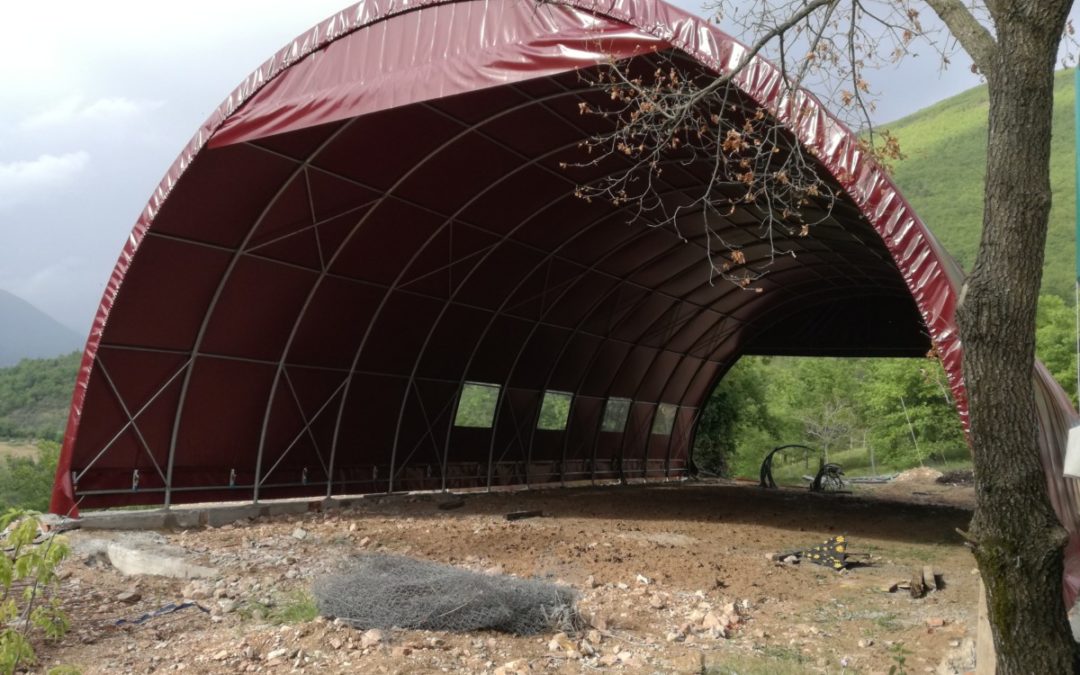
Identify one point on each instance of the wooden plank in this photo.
(928, 578)
(985, 657)
(519, 515)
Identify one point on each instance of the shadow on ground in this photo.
(796, 510)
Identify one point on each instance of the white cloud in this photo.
(19, 180)
(74, 109)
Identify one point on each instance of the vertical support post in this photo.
(1076, 245)
(446, 448)
(495, 430)
(911, 429)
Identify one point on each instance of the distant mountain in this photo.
(943, 175)
(28, 333)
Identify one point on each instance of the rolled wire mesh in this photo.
(387, 591)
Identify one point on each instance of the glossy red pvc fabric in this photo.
(379, 57)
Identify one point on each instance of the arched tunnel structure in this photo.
(377, 224)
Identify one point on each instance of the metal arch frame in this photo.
(711, 385)
(702, 360)
(306, 429)
(395, 287)
(617, 286)
(267, 362)
(723, 367)
(449, 220)
(550, 256)
(431, 420)
(631, 309)
(635, 397)
(677, 299)
(667, 382)
(326, 265)
(374, 205)
(530, 162)
(637, 389)
(656, 409)
(237, 254)
(895, 292)
(584, 319)
(359, 282)
(596, 352)
(487, 253)
(131, 418)
(587, 316)
(641, 382)
(658, 350)
(241, 250)
(690, 351)
(538, 322)
(190, 364)
(590, 312)
(588, 368)
(682, 404)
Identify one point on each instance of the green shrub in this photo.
(26, 483)
(27, 584)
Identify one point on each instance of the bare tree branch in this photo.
(972, 35)
(777, 31)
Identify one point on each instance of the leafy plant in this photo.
(900, 409)
(295, 607)
(27, 579)
(26, 482)
(899, 655)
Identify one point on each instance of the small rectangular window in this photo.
(555, 411)
(476, 407)
(665, 419)
(615, 413)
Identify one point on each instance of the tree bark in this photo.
(1018, 539)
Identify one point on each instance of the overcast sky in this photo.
(97, 99)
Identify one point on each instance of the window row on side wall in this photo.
(478, 401)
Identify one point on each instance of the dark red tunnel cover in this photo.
(377, 225)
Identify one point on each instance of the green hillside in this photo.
(35, 395)
(942, 176)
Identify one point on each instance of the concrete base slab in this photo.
(139, 553)
(208, 515)
(164, 562)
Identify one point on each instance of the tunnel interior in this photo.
(414, 298)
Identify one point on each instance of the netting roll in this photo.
(387, 591)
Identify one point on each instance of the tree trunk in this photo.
(1018, 539)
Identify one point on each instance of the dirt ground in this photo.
(672, 577)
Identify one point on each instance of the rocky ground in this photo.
(672, 578)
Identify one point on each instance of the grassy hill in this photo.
(943, 174)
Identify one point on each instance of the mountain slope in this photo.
(943, 174)
(28, 333)
(35, 395)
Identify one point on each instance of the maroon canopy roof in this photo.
(379, 215)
